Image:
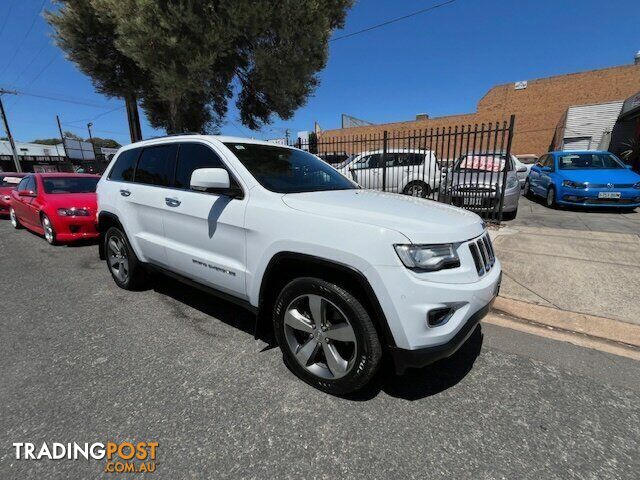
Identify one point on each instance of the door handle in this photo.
(172, 202)
(125, 193)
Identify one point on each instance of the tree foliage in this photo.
(187, 59)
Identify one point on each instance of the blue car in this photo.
(585, 178)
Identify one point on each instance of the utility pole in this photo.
(16, 160)
(133, 118)
(64, 145)
(89, 125)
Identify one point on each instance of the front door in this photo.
(205, 235)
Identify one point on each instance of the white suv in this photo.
(341, 274)
(404, 170)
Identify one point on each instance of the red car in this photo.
(60, 206)
(8, 181)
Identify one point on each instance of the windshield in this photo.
(9, 181)
(528, 160)
(482, 163)
(70, 184)
(591, 161)
(286, 170)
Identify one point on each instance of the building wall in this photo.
(538, 108)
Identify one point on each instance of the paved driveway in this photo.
(83, 361)
(533, 213)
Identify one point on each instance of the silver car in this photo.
(475, 182)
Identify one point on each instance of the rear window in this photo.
(125, 165)
(70, 184)
(9, 181)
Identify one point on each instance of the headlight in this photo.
(636, 185)
(512, 182)
(73, 212)
(428, 258)
(571, 184)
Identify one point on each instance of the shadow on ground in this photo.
(413, 385)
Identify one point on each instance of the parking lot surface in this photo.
(83, 361)
(533, 213)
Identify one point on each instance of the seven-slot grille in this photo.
(482, 253)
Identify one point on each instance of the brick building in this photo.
(538, 105)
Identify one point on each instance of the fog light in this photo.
(571, 198)
(439, 316)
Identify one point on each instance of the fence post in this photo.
(512, 121)
(384, 161)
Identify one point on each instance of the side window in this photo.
(31, 184)
(23, 184)
(541, 160)
(122, 171)
(192, 156)
(156, 165)
(548, 162)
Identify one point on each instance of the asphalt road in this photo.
(83, 361)
(534, 213)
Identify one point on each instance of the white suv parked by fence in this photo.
(405, 170)
(339, 273)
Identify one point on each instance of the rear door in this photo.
(205, 235)
(19, 203)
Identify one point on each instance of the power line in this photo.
(64, 99)
(33, 80)
(6, 18)
(15, 52)
(393, 20)
(94, 118)
(35, 57)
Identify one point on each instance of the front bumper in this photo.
(71, 229)
(629, 197)
(421, 357)
(4, 206)
(486, 201)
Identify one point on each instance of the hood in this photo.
(622, 175)
(69, 200)
(420, 220)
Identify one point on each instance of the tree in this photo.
(72, 136)
(87, 37)
(47, 141)
(188, 59)
(104, 142)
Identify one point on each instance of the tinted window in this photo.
(23, 184)
(286, 170)
(125, 165)
(192, 156)
(591, 161)
(370, 161)
(156, 165)
(31, 184)
(55, 185)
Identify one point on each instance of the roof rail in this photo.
(173, 135)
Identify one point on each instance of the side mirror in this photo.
(546, 169)
(214, 180)
(27, 193)
(522, 169)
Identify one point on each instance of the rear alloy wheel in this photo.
(124, 266)
(49, 232)
(14, 219)
(551, 198)
(326, 336)
(417, 189)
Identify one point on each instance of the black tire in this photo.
(526, 190)
(15, 223)
(419, 186)
(550, 199)
(135, 277)
(49, 231)
(366, 353)
(510, 215)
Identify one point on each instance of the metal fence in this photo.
(42, 164)
(464, 166)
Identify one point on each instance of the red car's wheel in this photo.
(14, 219)
(49, 232)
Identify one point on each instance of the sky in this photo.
(441, 62)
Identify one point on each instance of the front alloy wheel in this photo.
(320, 336)
(326, 336)
(551, 198)
(49, 232)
